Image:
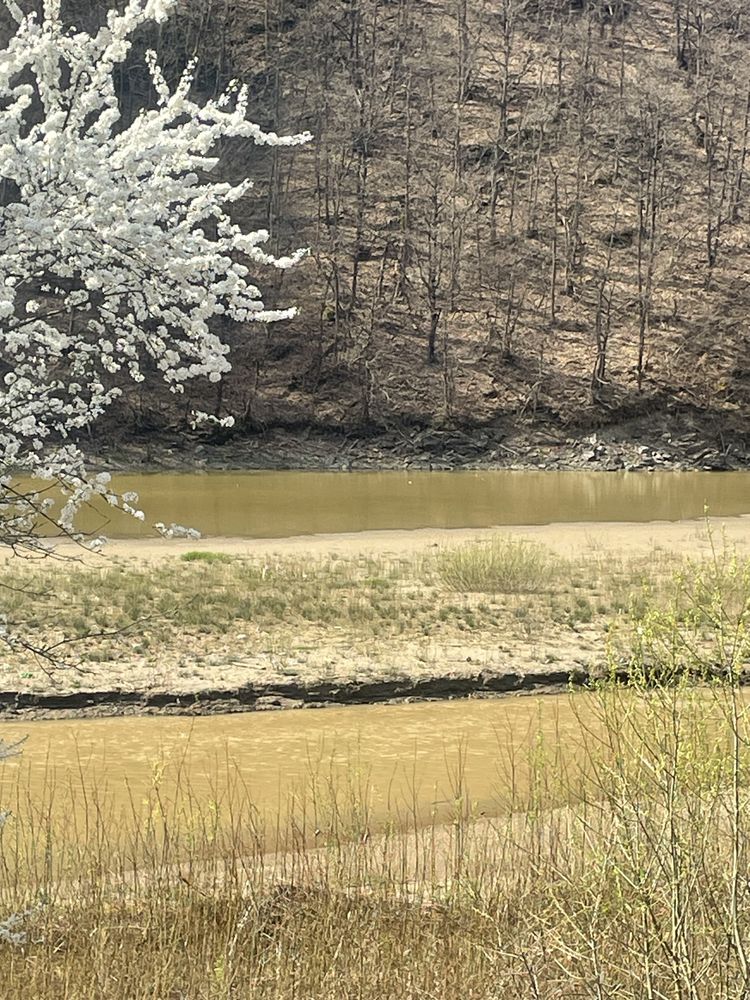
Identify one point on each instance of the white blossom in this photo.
(199, 418)
(10, 932)
(176, 531)
(116, 245)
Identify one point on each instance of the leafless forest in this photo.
(524, 209)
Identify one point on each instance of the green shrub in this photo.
(209, 557)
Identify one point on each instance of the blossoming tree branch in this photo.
(117, 247)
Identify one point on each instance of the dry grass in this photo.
(632, 878)
(624, 875)
(207, 610)
(500, 566)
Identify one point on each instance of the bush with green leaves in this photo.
(703, 630)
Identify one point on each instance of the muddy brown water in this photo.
(388, 763)
(282, 504)
(401, 760)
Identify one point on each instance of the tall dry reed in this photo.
(623, 877)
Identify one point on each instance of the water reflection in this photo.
(282, 504)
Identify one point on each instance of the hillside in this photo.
(519, 211)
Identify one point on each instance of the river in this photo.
(283, 504)
(404, 758)
(391, 763)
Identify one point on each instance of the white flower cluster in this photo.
(10, 932)
(115, 248)
(176, 531)
(199, 419)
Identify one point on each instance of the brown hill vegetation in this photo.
(524, 209)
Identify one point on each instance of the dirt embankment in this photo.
(680, 441)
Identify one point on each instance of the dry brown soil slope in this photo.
(518, 210)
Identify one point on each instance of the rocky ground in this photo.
(678, 441)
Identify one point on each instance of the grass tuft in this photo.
(500, 566)
(207, 557)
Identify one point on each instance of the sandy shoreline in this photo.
(689, 538)
(284, 665)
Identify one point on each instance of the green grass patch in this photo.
(486, 590)
(207, 557)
